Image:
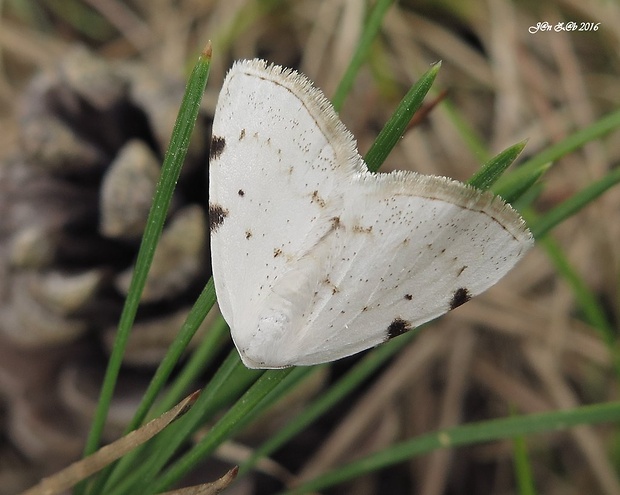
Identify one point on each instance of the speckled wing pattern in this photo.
(314, 257)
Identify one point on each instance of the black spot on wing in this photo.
(409, 297)
(398, 327)
(460, 297)
(241, 192)
(241, 134)
(217, 214)
(217, 147)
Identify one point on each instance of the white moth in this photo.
(314, 257)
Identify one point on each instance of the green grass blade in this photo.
(171, 169)
(165, 187)
(467, 133)
(396, 126)
(571, 143)
(492, 170)
(194, 319)
(199, 359)
(523, 468)
(513, 189)
(575, 203)
(369, 33)
(484, 431)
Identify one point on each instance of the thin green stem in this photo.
(171, 170)
(573, 142)
(483, 431)
(394, 129)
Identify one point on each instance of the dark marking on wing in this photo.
(460, 297)
(217, 147)
(409, 297)
(241, 192)
(277, 252)
(317, 199)
(217, 214)
(241, 134)
(248, 234)
(461, 271)
(328, 282)
(362, 230)
(398, 327)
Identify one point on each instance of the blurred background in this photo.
(89, 90)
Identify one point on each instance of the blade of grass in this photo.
(194, 319)
(571, 143)
(394, 129)
(514, 189)
(468, 134)
(171, 169)
(575, 203)
(370, 31)
(493, 169)
(523, 467)
(483, 431)
(200, 358)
